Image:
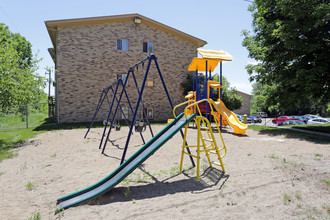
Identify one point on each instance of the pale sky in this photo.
(219, 22)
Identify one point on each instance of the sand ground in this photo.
(267, 177)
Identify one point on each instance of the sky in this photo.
(219, 22)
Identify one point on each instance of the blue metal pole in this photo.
(135, 112)
(221, 92)
(106, 124)
(205, 90)
(121, 109)
(169, 99)
(144, 112)
(96, 111)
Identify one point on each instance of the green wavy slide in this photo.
(127, 167)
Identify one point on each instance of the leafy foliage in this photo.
(291, 44)
(18, 83)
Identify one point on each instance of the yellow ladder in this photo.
(204, 144)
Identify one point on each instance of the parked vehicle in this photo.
(254, 119)
(317, 121)
(248, 120)
(301, 118)
(312, 116)
(261, 115)
(240, 117)
(291, 122)
(282, 118)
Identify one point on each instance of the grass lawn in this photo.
(11, 139)
(18, 121)
(274, 131)
(325, 128)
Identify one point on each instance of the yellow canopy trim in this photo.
(200, 64)
(213, 54)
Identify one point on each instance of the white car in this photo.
(317, 121)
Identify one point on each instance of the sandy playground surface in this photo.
(267, 177)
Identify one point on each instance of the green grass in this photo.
(274, 131)
(10, 139)
(30, 186)
(327, 182)
(19, 121)
(35, 216)
(325, 128)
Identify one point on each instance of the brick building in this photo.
(91, 53)
(245, 109)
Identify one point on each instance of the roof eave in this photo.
(53, 25)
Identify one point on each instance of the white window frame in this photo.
(150, 47)
(122, 44)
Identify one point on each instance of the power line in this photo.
(3, 11)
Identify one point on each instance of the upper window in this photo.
(148, 47)
(122, 44)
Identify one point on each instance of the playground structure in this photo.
(206, 141)
(204, 135)
(209, 61)
(139, 124)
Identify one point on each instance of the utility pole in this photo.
(49, 101)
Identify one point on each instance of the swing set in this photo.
(139, 125)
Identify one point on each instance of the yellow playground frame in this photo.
(206, 144)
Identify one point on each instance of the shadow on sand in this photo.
(211, 177)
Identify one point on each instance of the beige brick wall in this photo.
(245, 109)
(88, 60)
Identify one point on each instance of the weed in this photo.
(249, 154)
(35, 216)
(299, 206)
(231, 203)
(298, 195)
(53, 155)
(125, 182)
(244, 193)
(127, 192)
(30, 186)
(238, 194)
(2, 173)
(58, 210)
(286, 199)
(86, 142)
(133, 200)
(23, 167)
(284, 160)
(326, 181)
(273, 156)
(318, 156)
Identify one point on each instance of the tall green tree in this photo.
(291, 43)
(18, 82)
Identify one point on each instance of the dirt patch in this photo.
(267, 177)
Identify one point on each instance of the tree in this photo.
(18, 83)
(291, 44)
(229, 96)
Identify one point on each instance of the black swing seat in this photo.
(117, 126)
(140, 126)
